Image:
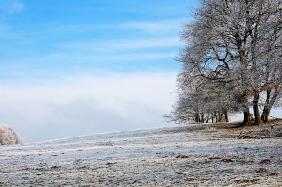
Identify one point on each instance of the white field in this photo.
(146, 158)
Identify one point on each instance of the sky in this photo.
(71, 68)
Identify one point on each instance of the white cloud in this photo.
(80, 57)
(15, 7)
(157, 27)
(126, 44)
(87, 104)
(93, 58)
(8, 8)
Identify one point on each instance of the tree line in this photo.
(231, 62)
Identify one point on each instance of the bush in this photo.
(8, 136)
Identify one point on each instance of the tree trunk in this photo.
(226, 116)
(265, 112)
(247, 117)
(246, 110)
(202, 118)
(268, 106)
(264, 115)
(256, 108)
(221, 118)
(216, 117)
(207, 120)
(197, 118)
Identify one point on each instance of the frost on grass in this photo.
(8, 136)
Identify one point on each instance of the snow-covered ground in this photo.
(146, 158)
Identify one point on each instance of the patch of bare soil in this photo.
(272, 129)
(194, 155)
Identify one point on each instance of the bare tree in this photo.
(234, 45)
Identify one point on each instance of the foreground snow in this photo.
(146, 158)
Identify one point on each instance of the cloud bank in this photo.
(81, 105)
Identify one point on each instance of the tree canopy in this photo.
(231, 61)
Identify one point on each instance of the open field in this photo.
(194, 155)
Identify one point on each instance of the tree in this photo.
(201, 101)
(234, 45)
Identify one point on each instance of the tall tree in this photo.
(236, 44)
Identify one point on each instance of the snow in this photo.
(144, 158)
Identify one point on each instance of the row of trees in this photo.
(231, 62)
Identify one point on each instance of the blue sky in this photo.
(49, 38)
(75, 67)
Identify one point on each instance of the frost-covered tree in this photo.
(235, 46)
(8, 136)
(201, 101)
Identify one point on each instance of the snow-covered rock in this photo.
(8, 136)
